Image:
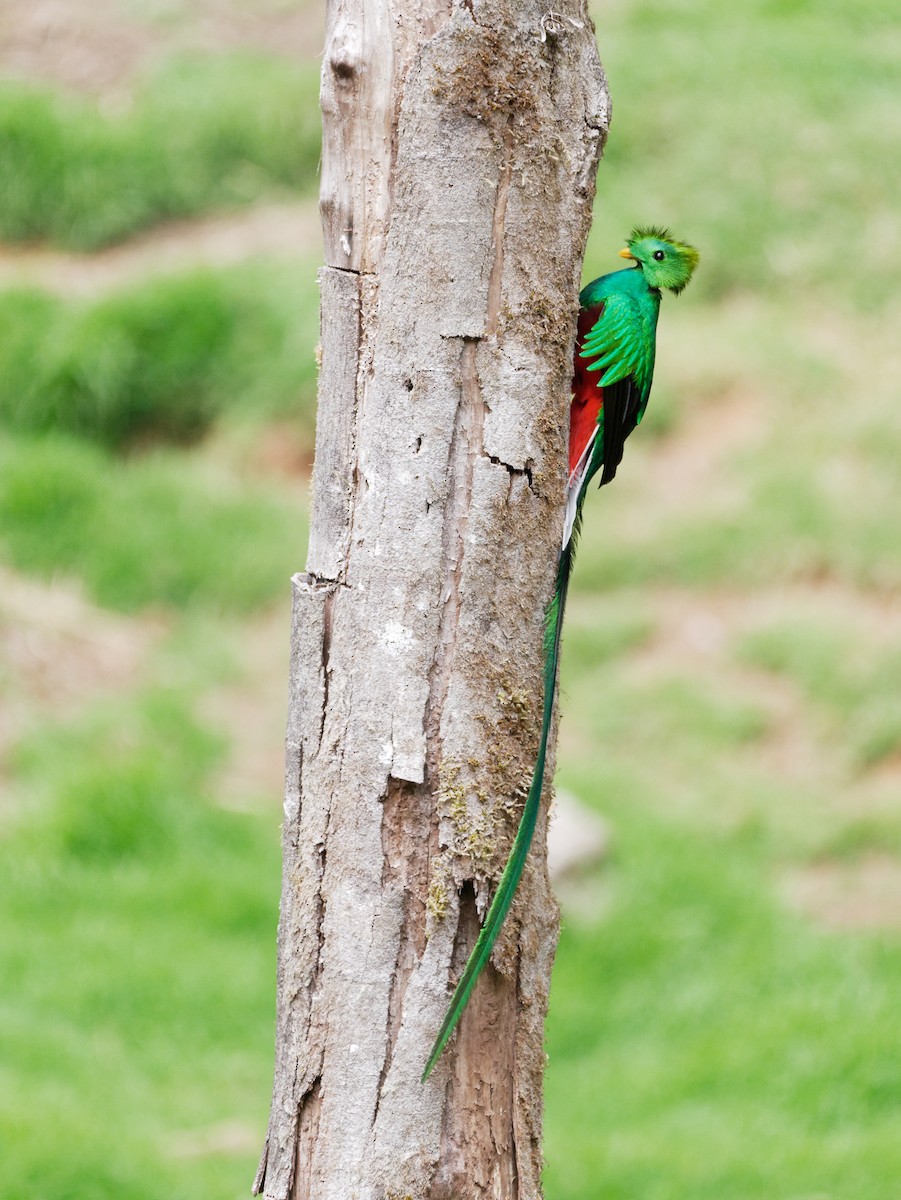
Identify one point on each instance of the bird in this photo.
(612, 375)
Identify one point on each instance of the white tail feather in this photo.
(574, 487)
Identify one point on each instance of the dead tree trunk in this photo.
(461, 140)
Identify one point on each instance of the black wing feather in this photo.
(622, 404)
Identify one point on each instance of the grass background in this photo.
(201, 132)
(724, 1019)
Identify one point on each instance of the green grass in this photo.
(202, 132)
(136, 1007)
(166, 529)
(851, 679)
(694, 1019)
(704, 1044)
(164, 358)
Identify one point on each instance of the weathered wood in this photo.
(458, 173)
(332, 481)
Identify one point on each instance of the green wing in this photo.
(620, 344)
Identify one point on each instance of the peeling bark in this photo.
(458, 172)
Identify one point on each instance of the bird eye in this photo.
(659, 255)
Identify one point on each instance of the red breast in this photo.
(588, 397)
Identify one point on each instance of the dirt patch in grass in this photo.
(225, 1137)
(90, 46)
(690, 466)
(695, 636)
(252, 712)
(97, 46)
(57, 651)
(849, 896)
(267, 230)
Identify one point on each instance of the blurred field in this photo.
(724, 1020)
(202, 133)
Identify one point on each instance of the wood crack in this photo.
(466, 444)
(307, 1134)
(327, 617)
(405, 846)
(522, 472)
(496, 278)
(465, 448)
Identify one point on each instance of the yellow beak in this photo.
(627, 253)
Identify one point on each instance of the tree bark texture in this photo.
(461, 141)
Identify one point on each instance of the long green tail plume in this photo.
(509, 881)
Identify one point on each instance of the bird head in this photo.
(665, 262)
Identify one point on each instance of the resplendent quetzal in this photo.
(613, 371)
